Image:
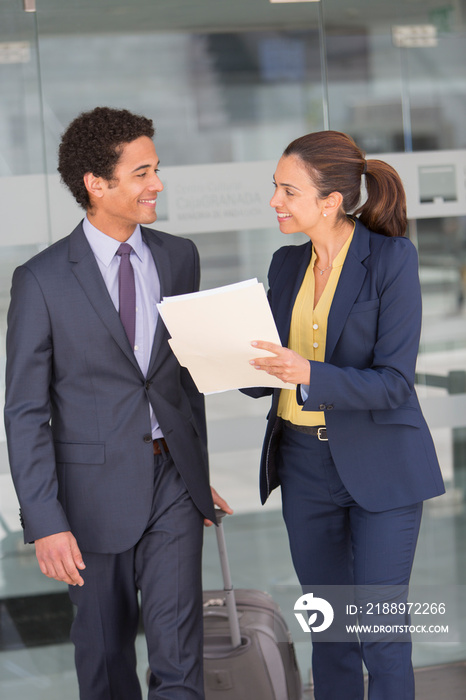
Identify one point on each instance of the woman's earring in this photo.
(324, 214)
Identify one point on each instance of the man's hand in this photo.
(220, 503)
(286, 364)
(59, 558)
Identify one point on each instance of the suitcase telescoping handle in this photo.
(227, 584)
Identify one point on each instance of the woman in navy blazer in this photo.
(350, 449)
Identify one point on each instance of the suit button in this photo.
(322, 407)
(329, 407)
(147, 438)
(148, 385)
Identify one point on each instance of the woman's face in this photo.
(295, 200)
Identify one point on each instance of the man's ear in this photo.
(93, 185)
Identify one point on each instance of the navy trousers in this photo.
(164, 569)
(335, 542)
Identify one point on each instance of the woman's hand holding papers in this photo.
(285, 364)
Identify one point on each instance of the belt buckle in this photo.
(320, 433)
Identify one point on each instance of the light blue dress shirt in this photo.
(147, 284)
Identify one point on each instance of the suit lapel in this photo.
(288, 283)
(349, 285)
(287, 286)
(86, 270)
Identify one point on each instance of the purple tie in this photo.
(127, 292)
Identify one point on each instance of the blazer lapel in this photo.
(349, 285)
(286, 288)
(86, 270)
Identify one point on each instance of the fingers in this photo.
(220, 503)
(281, 360)
(285, 364)
(270, 363)
(264, 345)
(59, 557)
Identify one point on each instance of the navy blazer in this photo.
(379, 440)
(77, 403)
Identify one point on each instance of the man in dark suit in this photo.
(106, 432)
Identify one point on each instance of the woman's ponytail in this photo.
(384, 210)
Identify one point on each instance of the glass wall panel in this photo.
(25, 229)
(412, 99)
(22, 188)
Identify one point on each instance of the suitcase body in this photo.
(248, 650)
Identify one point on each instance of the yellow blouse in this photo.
(308, 333)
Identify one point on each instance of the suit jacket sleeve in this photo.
(27, 408)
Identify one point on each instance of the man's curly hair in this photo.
(93, 143)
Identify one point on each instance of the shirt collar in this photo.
(105, 247)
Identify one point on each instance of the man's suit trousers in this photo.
(164, 569)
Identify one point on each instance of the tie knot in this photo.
(124, 249)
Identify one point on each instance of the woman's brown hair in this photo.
(336, 164)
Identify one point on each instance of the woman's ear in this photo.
(332, 203)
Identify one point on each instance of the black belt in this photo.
(158, 444)
(319, 431)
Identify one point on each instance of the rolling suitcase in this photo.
(248, 650)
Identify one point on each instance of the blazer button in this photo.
(322, 407)
(147, 438)
(148, 385)
(329, 407)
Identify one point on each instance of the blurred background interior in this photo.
(233, 83)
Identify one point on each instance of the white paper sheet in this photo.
(211, 334)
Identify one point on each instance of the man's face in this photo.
(130, 197)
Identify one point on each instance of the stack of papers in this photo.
(211, 334)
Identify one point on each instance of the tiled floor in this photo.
(433, 683)
(447, 681)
